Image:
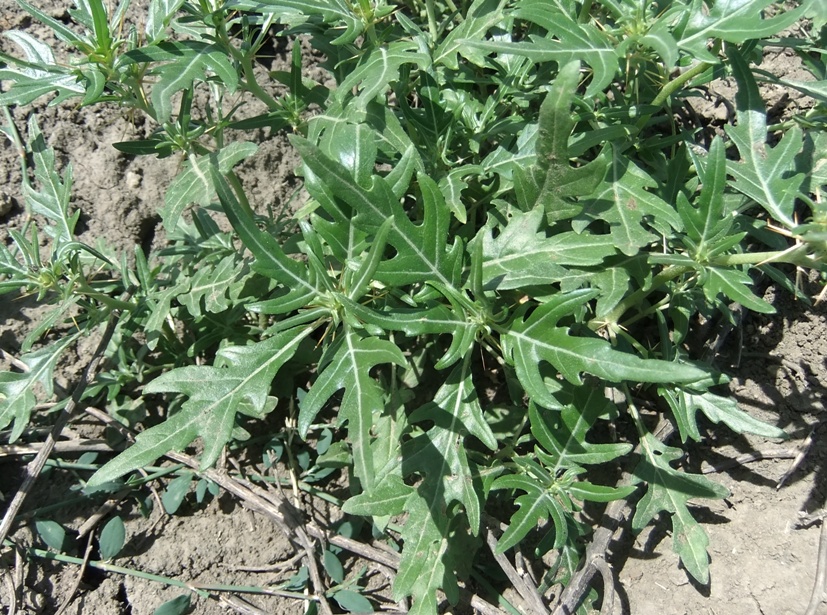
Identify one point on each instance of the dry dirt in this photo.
(761, 564)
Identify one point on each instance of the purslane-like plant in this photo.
(509, 237)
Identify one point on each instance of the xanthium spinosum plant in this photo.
(509, 236)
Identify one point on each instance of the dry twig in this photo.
(817, 597)
(528, 592)
(605, 571)
(803, 449)
(787, 453)
(78, 576)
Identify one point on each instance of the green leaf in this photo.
(423, 252)
(53, 197)
(535, 340)
(567, 42)
(552, 181)
(176, 65)
(377, 69)
(26, 89)
(533, 508)
(60, 30)
(561, 434)
(733, 21)
(431, 318)
(351, 360)
(669, 490)
(175, 493)
(17, 398)
(425, 566)
(765, 174)
(624, 201)
(158, 18)
(336, 13)
(195, 185)
(52, 534)
(112, 538)
(521, 255)
(352, 602)
(734, 284)
(271, 261)
(333, 567)
(177, 606)
(217, 285)
(386, 499)
(586, 491)
(440, 454)
(215, 394)
(480, 17)
(685, 404)
(708, 221)
(452, 186)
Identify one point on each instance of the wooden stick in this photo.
(817, 597)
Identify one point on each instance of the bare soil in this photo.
(761, 564)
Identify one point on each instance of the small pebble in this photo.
(133, 180)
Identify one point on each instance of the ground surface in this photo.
(760, 564)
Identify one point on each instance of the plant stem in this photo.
(672, 87)
(202, 589)
(795, 255)
(585, 11)
(432, 27)
(252, 85)
(668, 274)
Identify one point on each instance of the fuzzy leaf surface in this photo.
(733, 21)
(626, 202)
(765, 174)
(377, 69)
(562, 433)
(17, 398)
(194, 185)
(216, 394)
(522, 255)
(553, 180)
(536, 339)
(177, 65)
(349, 368)
(423, 251)
(670, 490)
(685, 405)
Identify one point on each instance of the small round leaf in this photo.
(333, 567)
(352, 602)
(175, 493)
(112, 538)
(176, 606)
(52, 534)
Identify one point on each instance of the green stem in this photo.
(796, 255)
(202, 589)
(430, 8)
(252, 85)
(665, 276)
(585, 11)
(672, 87)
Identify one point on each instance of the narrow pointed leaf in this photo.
(765, 174)
(670, 490)
(349, 369)
(17, 398)
(521, 255)
(215, 395)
